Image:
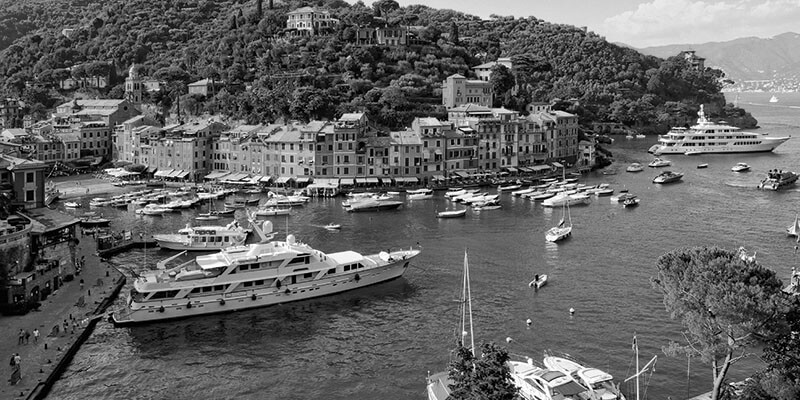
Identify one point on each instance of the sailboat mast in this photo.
(469, 304)
(636, 352)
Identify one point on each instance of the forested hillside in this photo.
(270, 75)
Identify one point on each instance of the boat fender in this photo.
(357, 278)
(288, 291)
(278, 284)
(254, 297)
(222, 302)
(161, 309)
(189, 305)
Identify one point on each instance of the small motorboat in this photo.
(630, 202)
(206, 217)
(487, 207)
(452, 213)
(333, 227)
(740, 167)
(701, 166)
(635, 167)
(71, 204)
(538, 281)
(668, 177)
(657, 162)
(693, 152)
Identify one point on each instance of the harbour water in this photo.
(379, 343)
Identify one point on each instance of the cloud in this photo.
(661, 22)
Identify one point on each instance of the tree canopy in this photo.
(484, 377)
(725, 301)
(242, 42)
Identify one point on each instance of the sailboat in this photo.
(650, 366)
(773, 99)
(794, 229)
(438, 384)
(209, 216)
(564, 228)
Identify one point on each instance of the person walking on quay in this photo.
(21, 336)
(27, 336)
(35, 335)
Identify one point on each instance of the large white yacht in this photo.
(255, 275)
(536, 383)
(710, 137)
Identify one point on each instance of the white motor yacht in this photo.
(711, 137)
(601, 384)
(657, 162)
(635, 167)
(256, 275)
(536, 383)
(740, 167)
(207, 238)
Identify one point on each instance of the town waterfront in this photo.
(379, 343)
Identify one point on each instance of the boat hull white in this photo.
(220, 303)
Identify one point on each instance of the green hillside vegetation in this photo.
(271, 75)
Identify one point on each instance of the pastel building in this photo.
(457, 90)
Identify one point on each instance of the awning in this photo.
(386, 180)
(461, 174)
(407, 179)
(347, 181)
(327, 182)
(360, 180)
(302, 179)
(183, 174)
(266, 179)
(283, 180)
(524, 169)
(438, 177)
(372, 180)
(256, 179)
(164, 172)
(215, 175)
(557, 165)
(236, 177)
(511, 169)
(537, 168)
(150, 170)
(437, 152)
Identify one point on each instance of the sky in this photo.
(645, 23)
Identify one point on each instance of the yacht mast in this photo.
(466, 295)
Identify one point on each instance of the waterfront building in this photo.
(336, 148)
(182, 151)
(309, 21)
(433, 134)
(484, 71)
(289, 151)
(587, 154)
(86, 116)
(33, 238)
(232, 150)
(560, 134)
(377, 156)
(457, 90)
(405, 156)
(127, 138)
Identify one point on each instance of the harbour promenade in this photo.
(64, 321)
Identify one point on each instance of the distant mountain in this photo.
(774, 59)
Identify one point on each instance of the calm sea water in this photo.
(379, 343)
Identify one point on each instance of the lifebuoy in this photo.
(357, 278)
(254, 297)
(222, 302)
(161, 309)
(189, 305)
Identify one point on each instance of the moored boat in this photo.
(777, 180)
(630, 201)
(635, 167)
(366, 205)
(537, 383)
(668, 177)
(601, 384)
(256, 275)
(452, 213)
(657, 162)
(538, 281)
(714, 137)
(701, 166)
(207, 238)
(740, 167)
(794, 229)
